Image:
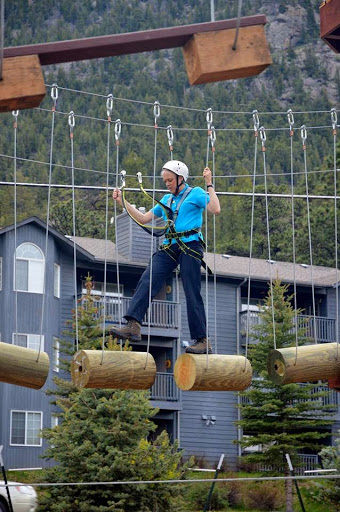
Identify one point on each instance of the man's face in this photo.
(170, 180)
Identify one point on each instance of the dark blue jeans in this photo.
(162, 266)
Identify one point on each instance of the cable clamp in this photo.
(156, 111)
(263, 137)
(109, 106)
(256, 122)
(170, 135)
(290, 117)
(334, 119)
(212, 137)
(118, 130)
(303, 132)
(209, 118)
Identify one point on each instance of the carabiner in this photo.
(54, 93)
(290, 117)
(334, 119)
(256, 121)
(212, 136)
(263, 136)
(303, 132)
(118, 129)
(122, 178)
(170, 135)
(209, 118)
(109, 105)
(71, 120)
(156, 110)
(139, 177)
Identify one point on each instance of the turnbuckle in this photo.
(54, 95)
(15, 114)
(212, 137)
(122, 178)
(71, 122)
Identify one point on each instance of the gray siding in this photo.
(28, 321)
(197, 438)
(128, 231)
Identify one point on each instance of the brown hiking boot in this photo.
(130, 331)
(200, 346)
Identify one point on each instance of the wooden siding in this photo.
(133, 242)
(197, 438)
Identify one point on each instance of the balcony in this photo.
(164, 388)
(163, 315)
(323, 329)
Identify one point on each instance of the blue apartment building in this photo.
(202, 422)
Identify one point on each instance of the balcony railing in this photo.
(163, 313)
(165, 388)
(307, 462)
(323, 329)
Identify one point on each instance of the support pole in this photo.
(5, 480)
(218, 469)
(292, 472)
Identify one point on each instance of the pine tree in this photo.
(103, 437)
(280, 419)
(330, 457)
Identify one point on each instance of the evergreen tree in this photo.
(281, 419)
(330, 458)
(103, 437)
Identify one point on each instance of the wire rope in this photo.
(54, 96)
(71, 123)
(213, 150)
(209, 119)
(303, 133)
(157, 113)
(2, 36)
(256, 123)
(290, 117)
(109, 107)
(15, 127)
(237, 24)
(334, 120)
(263, 138)
(118, 129)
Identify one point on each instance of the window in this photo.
(55, 355)
(57, 280)
(25, 428)
(29, 269)
(28, 340)
(0, 274)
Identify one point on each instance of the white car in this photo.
(23, 497)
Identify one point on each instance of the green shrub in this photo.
(263, 496)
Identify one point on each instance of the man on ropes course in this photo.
(182, 210)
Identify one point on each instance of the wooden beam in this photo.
(209, 57)
(330, 24)
(124, 44)
(22, 85)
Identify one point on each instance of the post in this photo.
(206, 506)
(291, 469)
(212, 10)
(5, 480)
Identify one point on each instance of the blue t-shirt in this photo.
(190, 215)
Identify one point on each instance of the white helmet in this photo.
(178, 168)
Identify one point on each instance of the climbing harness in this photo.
(168, 230)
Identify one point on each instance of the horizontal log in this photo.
(124, 44)
(307, 363)
(195, 372)
(113, 369)
(22, 85)
(23, 366)
(209, 57)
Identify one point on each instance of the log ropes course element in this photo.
(207, 48)
(317, 361)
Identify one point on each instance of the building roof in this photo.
(97, 247)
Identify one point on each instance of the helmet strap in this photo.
(178, 185)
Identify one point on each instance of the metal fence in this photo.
(165, 388)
